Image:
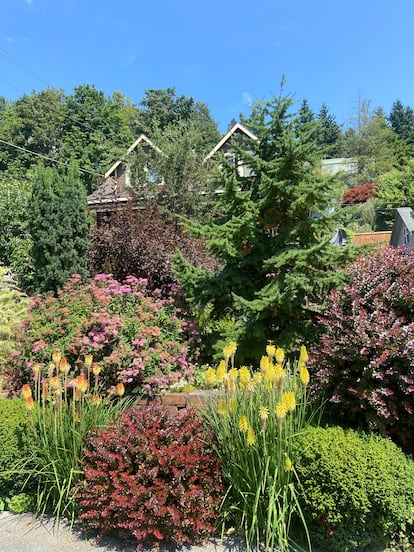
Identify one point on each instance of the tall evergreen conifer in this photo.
(273, 239)
(59, 227)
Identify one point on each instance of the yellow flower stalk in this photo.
(250, 387)
(81, 383)
(64, 366)
(221, 372)
(289, 400)
(96, 369)
(270, 351)
(88, 361)
(263, 413)
(222, 408)
(244, 375)
(280, 355)
(264, 363)
(29, 402)
(288, 465)
(120, 389)
(304, 375)
(26, 391)
(280, 410)
(36, 368)
(243, 423)
(210, 377)
(233, 374)
(303, 357)
(55, 382)
(56, 356)
(257, 377)
(279, 372)
(229, 351)
(251, 437)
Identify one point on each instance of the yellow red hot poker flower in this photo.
(26, 391)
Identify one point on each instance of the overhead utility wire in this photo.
(28, 70)
(46, 157)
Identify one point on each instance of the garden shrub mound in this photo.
(357, 489)
(142, 243)
(152, 476)
(364, 363)
(135, 338)
(13, 445)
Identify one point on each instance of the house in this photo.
(339, 165)
(239, 135)
(402, 234)
(117, 189)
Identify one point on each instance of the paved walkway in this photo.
(21, 533)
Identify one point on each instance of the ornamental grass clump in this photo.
(63, 408)
(256, 419)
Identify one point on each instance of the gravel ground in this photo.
(21, 533)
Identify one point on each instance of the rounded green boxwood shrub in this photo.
(152, 476)
(357, 489)
(13, 445)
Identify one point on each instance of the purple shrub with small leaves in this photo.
(136, 339)
(364, 363)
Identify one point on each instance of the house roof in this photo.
(237, 128)
(107, 192)
(132, 147)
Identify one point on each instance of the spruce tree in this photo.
(273, 239)
(329, 134)
(59, 227)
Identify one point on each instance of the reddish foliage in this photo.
(141, 243)
(365, 361)
(359, 194)
(152, 476)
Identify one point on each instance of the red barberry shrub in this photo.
(141, 243)
(152, 476)
(364, 363)
(135, 338)
(359, 194)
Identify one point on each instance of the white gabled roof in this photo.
(141, 138)
(235, 128)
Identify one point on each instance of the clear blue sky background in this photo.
(221, 52)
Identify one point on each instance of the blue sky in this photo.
(221, 52)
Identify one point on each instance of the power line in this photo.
(27, 69)
(46, 157)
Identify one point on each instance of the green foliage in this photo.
(14, 446)
(15, 240)
(329, 134)
(273, 239)
(357, 489)
(59, 226)
(256, 420)
(372, 143)
(396, 187)
(21, 503)
(14, 306)
(62, 413)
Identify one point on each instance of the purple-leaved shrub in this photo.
(364, 363)
(135, 338)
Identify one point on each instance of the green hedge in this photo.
(14, 417)
(357, 489)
